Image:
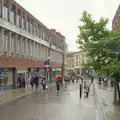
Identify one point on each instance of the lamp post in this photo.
(1, 50)
(50, 69)
(47, 68)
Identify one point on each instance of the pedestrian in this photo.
(44, 83)
(58, 85)
(87, 89)
(105, 80)
(58, 77)
(85, 84)
(23, 82)
(32, 82)
(77, 77)
(20, 82)
(92, 78)
(36, 81)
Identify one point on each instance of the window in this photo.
(72, 60)
(72, 66)
(18, 45)
(69, 61)
(13, 44)
(76, 56)
(76, 63)
(6, 44)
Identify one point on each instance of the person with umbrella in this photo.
(58, 77)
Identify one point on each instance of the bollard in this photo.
(80, 90)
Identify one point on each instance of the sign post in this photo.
(47, 65)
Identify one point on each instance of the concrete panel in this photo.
(12, 27)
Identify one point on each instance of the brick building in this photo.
(25, 43)
(116, 19)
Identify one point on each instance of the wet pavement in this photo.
(106, 96)
(12, 94)
(50, 105)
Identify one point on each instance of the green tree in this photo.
(91, 37)
(102, 47)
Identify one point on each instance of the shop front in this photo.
(37, 72)
(21, 73)
(6, 78)
(55, 71)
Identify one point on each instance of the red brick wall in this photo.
(14, 62)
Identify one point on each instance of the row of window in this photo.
(18, 45)
(30, 26)
(70, 66)
(81, 63)
(80, 56)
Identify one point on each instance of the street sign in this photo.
(46, 63)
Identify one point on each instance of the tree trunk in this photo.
(115, 92)
(118, 90)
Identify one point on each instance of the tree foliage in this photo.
(102, 46)
(92, 39)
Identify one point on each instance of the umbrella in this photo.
(57, 77)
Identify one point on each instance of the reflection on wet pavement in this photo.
(50, 105)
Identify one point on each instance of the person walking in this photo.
(23, 82)
(32, 82)
(44, 83)
(58, 77)
(87, 89)
(36, 81)
(20, 82)
(92, 78)
(58, 85)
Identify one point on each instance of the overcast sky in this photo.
(63, 15)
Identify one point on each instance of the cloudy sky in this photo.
(63, 15)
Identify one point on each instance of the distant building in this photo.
(77, 61)
(70, 60)
(80, 59)
(116, 19)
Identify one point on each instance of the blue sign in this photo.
(46, 62)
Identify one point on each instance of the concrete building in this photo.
(77, 61)
(116, 19)
(80, 59)
(25, 43)
(70, 60)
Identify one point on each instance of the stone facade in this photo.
(116, 19)
(25, 42)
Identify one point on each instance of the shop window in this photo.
(6, 78)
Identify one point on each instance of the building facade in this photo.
(76, 62)
(25, 43)
(70, 61)
(116, 19)
(80, 59)
(65, 64)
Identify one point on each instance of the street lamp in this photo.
(1, 70)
